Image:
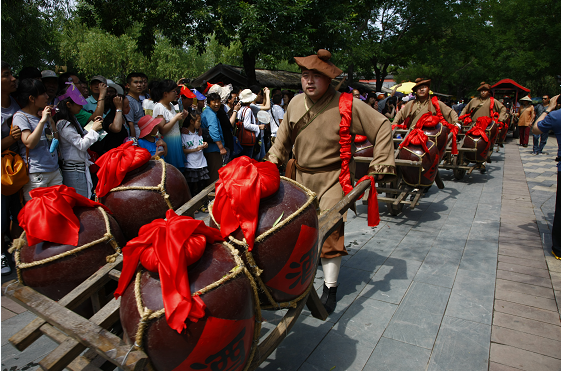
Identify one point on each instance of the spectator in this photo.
(147, 103)
(36, 124)
(525, 119)
(550, 119)
(262, 103)
(114, 123)
(145, 88)
(215, 149)
(135, 86)
(29, 73)
(50, 80)
(277, 115)
(389, 110)
(541, 139)
(74, 141)
(287, 96)
(245, 115)
(96, 101)
(164, 93)
(200, 99)
(231, 102)
(11, 205)
(371, 100)
(83, 116)
(356, 93)
(149, 137)
(196, 171)
(225, 122)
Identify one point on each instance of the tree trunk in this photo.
(381, 74)
(249, 68)
(350, 74)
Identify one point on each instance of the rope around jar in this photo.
(256, 271)
(147, 315)
(20, 242)
(160, 187)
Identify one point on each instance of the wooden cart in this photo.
(95, 344)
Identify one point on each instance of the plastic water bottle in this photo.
(398, 136)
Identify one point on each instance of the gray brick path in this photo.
(464, 282)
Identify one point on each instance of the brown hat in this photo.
(484, 86)
(319, 62)
(421, 81)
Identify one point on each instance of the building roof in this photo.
(227, 74)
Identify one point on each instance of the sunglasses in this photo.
(545, 98)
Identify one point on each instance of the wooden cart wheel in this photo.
(458, 173)
(394, 210)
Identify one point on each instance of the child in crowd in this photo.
(196, 171)
(75, 141)
(149, 138)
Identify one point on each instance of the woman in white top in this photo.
(164, 93)
(246, 116)
(36, 124)
(74, 141)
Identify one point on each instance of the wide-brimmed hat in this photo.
(319, 62)
(223, 91)
(73, 93)
(146, 124)
(484, 86)
(114, 85)
(98, 78)
(421, 81)
(526, 99)
(247, 96)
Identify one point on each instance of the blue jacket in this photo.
(209, 121)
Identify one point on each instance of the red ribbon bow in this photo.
(360, 138)
(453, 128)
(116, 163)
(428, 120)
(479, 129)
(346, 110)
(242, 184)
(466, 119)
(416, 137)
(399, 126)
(169, 247)
(48, 216)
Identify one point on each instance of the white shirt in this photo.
(277, 114)
(168, 113)
(246, 116)
(193, 160)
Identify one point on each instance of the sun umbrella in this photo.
(406, 88)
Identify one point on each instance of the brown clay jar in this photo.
(134, 208)
(419, 177)
(222, 339)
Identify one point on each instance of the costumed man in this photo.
(481, 106)
(411, 112)
(311, 130)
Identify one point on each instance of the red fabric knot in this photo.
(48, 216)
(453, 128)
(346, 110)
(399, 126)
(428, 120)
(169, 247)
(479, 130)
(466, 119)
(360, 138)
(240, 187)
(416, 137)
(116, 163)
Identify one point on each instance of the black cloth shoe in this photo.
(329, 298)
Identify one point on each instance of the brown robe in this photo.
(484, 109)
(317, 146)
(416, 109)
(527, 116)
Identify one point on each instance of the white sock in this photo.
(331, 269)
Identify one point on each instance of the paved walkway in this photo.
(464, 282)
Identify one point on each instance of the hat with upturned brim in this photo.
(484, 86)
(146, 124)
(421, 81)
(319, 62)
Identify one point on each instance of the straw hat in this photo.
(526, 99)
(319, 62)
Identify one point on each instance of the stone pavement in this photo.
(465, 281)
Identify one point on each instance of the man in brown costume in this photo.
(411, 112)
(479, 107)
(311, 130)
